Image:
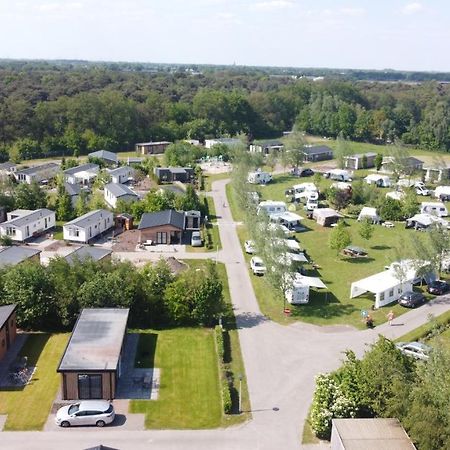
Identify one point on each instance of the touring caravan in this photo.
(305, 192)
(378, 180)
(434, 208)
(259, 177)
(298, 292)
(271, 207)
(442, 193)
(338, 175)
(290, 220)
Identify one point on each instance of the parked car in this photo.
(438, 287)
(196, 239)
(417, 350)
(86, 412)
(302, 172)
(249, 247)
(257, 266)
(410, 299)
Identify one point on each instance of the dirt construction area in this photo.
(127, 241)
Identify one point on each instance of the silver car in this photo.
(86, 412)
(417, 350)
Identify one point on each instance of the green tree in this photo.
(378, 161)
(366, 229)
(342, 151)
(390, 209)
(410, 206)
(294, 145)
(28, 196)
(339, 237)
(64, 210)
(189, 201)
(81, 207)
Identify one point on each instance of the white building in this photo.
(88, 226)
(37, 173)
(22, 224)
(84, 174)
(209, 143)
(121, 175)
(114, 192)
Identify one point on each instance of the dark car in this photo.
(438, 287)
(303, 172)
(411, 299)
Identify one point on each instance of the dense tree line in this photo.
(56, 109)
(386, 383)
(50, 298)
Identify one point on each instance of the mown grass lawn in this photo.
(28, 408)
(189, 396)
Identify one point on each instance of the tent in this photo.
(368, 213)
(424, 221)
(326, 216)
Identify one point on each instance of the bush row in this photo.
(225, 388)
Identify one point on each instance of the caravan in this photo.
(305, 192)
(378, 180)
(442, 193)
(298, 292)
(290, 220)
(259, 177)
(434, 208)
(271, 207)
(338, 175)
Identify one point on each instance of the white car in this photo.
(417, 350)
(86, 412)
(249, 247)
(257, 266)
(196, 239)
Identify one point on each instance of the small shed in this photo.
(8, 328)
(360, 161)
(368, 213)
(124, 221)
(92, 362)
(326, 216)
(88, 253)
(369, 434)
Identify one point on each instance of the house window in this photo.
(399, 291)
(10, 231)
(89, 386)
(161, 238)
(381, 296)
(391, 292)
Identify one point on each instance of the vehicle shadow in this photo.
(119, 421)
(249, 320)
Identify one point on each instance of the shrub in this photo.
(219, 341)
(226, 397)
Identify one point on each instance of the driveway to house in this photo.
(280, 363)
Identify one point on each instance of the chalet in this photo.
(106, 157)
(266, 147)
(360, 161)
(87, 227)
(38, 174)
(437, 172)
(11, 256)
(8, 328)
(134, 160)
(91, 365)
(121, 174)
(114, 192)
(73, 191)
(84, 174)
(317, 153)
(171, 174)
(88, 253)
(7, 168)
(408, 164)
(168, 227)
(151, 148)
(23, 224)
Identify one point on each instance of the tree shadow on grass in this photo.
(364, 260)
(282, 179)
(380, 247)
(146, 349)
(34, 346)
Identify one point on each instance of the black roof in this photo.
(5, 313)
(317, 150)
(167, 217)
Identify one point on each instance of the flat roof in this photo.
(14, 255)
(96, 340)
(121, 169)
(5, 313)
(89, 218)
(154, 143)
(81, 168)
(83, 253)
(40, 168)
(28, 217)
(372, 434)
(317, 149)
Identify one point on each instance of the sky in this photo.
(358, 34)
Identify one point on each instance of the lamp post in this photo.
(240, 393)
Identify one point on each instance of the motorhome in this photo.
(259, 177)
(435, 208)
(378, 180)
(271, 207)
(298, 292)
(338, 175)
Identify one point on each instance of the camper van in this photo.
(259, 177)
(442, 193)
(434, 208)
(297, 293)
(338, 175)
(271, 207)
(378, 180)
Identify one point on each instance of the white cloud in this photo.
(272, 4)
(227, 17)
(412, 8)
(63, 6)
(354, 12)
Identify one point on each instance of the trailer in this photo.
(338, 175)
(259, 177)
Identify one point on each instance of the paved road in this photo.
(280, 361)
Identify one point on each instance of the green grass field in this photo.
(190, 392)
(28, 408)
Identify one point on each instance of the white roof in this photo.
(271, 203)
(305, 186)
(286, 215)
(427, 219)
(339, 172)
(368, 211)
(376, 176)
(326, 212)
(396, 195)
(432, 204)
(342, 185)
(292, 245)
(310, 281)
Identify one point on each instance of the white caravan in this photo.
(338, 175)
(305, 192)
(442, 192)
(298, 292)
(434, 208)
(378, 180)
(271, 207)
(259, 177)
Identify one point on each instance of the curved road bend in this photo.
(280, 363)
